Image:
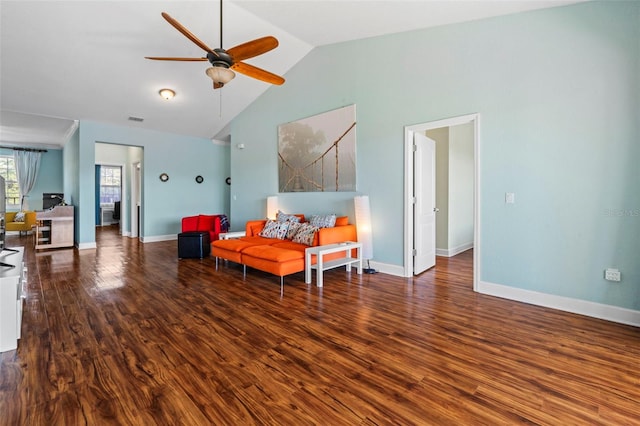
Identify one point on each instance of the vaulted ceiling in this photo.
(63, 61)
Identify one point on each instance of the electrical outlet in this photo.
(510, 197)
(612, 274)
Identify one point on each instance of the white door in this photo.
(424, 208)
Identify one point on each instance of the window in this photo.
(8, 172)
(110, 184)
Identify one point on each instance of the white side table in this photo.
(230, 235)
(322, 266)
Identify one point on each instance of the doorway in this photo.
(412, 222)
(109, 190)
(130, 160)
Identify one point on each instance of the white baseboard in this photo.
(157, 238)
(385, 268)
(576, 306)
(454, 251)
(85, 246)
(153, 239)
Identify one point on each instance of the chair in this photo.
(116, 211)
(213, 224)
(197, 234)
(22, 225)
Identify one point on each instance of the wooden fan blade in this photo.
(159, 58)
(253, 48)
(257, 73)
(178, 26)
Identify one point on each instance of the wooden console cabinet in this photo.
(54, 228)
(13, 276)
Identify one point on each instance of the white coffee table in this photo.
(322, 266)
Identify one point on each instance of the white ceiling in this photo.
(63, 61)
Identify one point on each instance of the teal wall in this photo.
(164, 204)
(558, 94)
(70, 178)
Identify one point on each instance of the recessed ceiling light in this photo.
(167, 93)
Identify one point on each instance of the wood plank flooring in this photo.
(127, 334)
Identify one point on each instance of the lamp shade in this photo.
(272, 207)
(363, 225)
(220, 74)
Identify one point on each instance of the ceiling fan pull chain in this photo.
(220, 109)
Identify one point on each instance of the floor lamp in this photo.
(272, 207)
(363, 227)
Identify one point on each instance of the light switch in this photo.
(510, 197)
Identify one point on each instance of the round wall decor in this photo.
(164, 177)
(199, 179)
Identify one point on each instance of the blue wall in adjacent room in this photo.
(49, 177)
(558, 94)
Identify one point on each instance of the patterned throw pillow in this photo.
(19, 217)
(275, 229)
(283, 217)
(323, 220)
(305, 234)
(270, 229)
(293, 229)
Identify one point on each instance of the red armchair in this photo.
(214, 224)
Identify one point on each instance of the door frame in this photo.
(408, 188)
(136, 199)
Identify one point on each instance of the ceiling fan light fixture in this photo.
(167, 94)
(220, 75)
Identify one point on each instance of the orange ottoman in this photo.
(277, 261)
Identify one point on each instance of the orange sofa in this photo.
(279, 256)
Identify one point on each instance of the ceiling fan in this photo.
(224, 61)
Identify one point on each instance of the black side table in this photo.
(194, 244)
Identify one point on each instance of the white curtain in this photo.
(27, 166)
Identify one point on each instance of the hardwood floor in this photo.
(128, 334)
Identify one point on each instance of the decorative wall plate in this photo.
(199, 179)
(164, 177)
